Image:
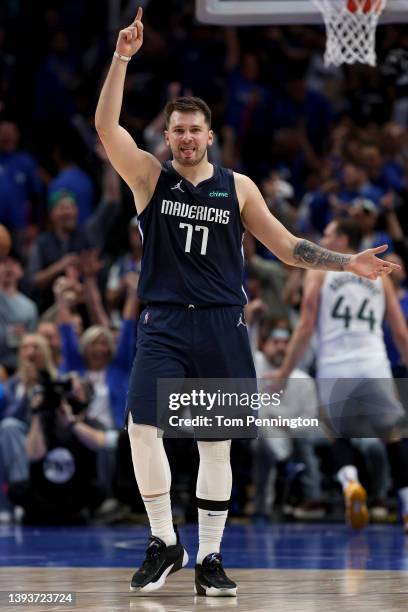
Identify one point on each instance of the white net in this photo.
(350, 26)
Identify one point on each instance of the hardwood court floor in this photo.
(289, 567)
(106, 590)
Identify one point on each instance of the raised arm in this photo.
(90, 267)
(138, 168)
(304, 330)
(296, 251)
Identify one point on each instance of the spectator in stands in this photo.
(18, 314)
(61, 446)
(82, 299)
(334, 197)
(71, 178)
(49, 330)
(278, 283)
(57, 251)
(355, 183)
(96, 357)
(126, 264)
(293, 157)
(299, 399)
(20, 185)
(106, 366)
(386, 175)
(34, 360)
(280, 198)
(367, 214)
(73, 294)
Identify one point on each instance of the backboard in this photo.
(280, 12)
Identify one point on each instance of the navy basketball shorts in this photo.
(186, 342)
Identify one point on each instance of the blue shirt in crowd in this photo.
(19, 184)
(75, 180)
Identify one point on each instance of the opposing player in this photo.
(192, 217)
(353, 371)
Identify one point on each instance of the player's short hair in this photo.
(351, 229)
(187, 104)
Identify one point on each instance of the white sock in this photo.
(347, 473)
(211, 525)
(161, 522)
(403, 495)
(214, 483)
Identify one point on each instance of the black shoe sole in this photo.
(199, 589)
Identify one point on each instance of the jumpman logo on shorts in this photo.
(241, 321)
(177, 186)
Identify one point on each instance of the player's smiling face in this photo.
(188, 137)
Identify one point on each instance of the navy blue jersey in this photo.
(192, 241)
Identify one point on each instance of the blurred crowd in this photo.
(320, 142)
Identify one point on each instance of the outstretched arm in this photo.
(296, 251)
(138, 168)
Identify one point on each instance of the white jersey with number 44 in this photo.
(349, 327)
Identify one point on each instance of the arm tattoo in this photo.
(315, 257)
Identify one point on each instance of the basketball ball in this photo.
(5, 242)
(366, 5)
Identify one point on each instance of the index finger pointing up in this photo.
(139, 14)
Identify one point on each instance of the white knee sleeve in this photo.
(214, 481)
(150, 463)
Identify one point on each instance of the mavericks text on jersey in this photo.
(192, 241)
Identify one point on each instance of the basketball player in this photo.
(192, 216)
(354, 374)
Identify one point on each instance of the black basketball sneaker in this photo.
(160, 561)
(211, 579)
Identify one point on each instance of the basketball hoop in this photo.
(350, 28)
